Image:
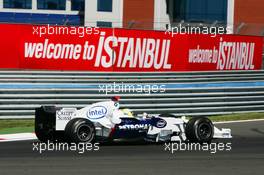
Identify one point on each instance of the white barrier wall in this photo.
(189, 94)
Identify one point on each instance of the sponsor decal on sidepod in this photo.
(96, 112)
(64, 114)
(161, 123)
(134, 127)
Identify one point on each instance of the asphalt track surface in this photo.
(245, 158)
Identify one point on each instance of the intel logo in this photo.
(96, 112)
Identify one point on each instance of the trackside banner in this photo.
(95, 49)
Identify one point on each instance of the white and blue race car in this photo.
(104, 121)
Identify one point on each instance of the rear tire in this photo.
(80, 130)
(199, 130)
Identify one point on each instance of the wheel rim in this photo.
(84, 133)
(204, 130)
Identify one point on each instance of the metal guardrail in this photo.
(187, 93)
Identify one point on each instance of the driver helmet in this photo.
(127, 112)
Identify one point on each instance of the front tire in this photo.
(80, 130)
(199, 130)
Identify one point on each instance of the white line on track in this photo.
(17, 137)
(239, 121)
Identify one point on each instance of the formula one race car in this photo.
(104, 121)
